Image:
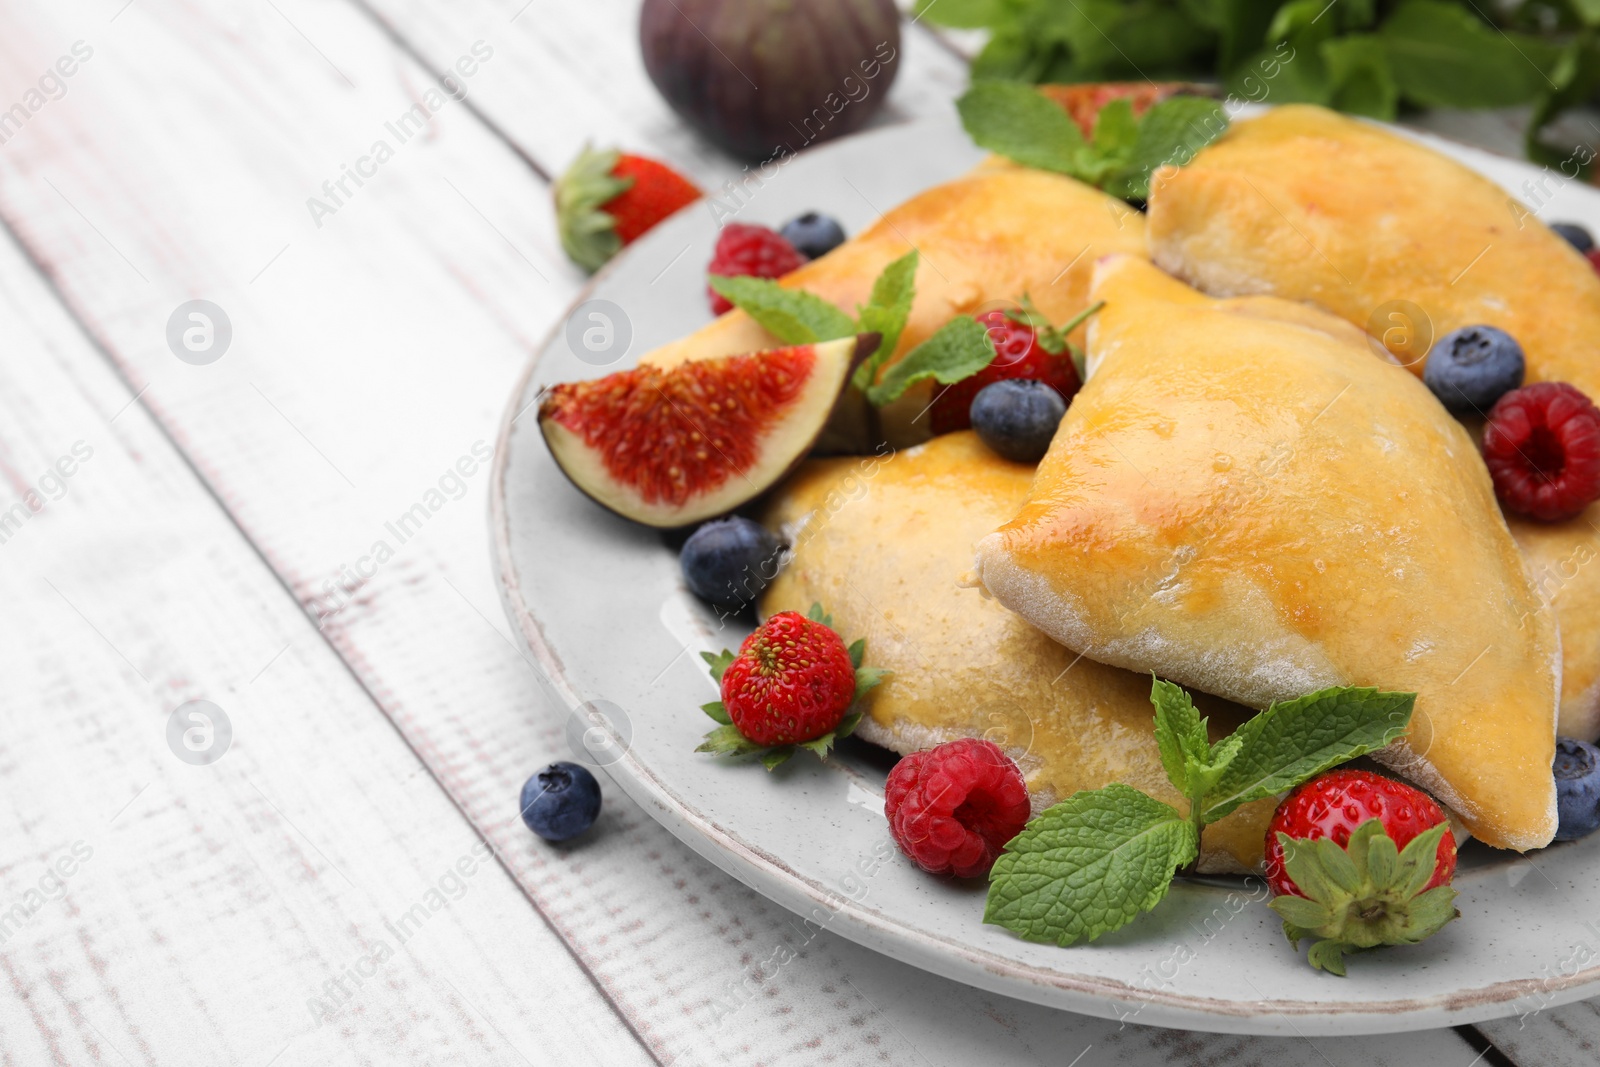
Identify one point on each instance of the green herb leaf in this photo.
(793, 316)
(1088, 865)
(1115, 129)
(1295, 740)
(958, 349)
(1170, 134)
(1180, 733)
(1443, 55)
(718, 662)
(886, 312)
(1015, 121)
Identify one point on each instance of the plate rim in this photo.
(768, 876)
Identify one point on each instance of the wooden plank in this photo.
(370, 354)
(573, 74)
(153, 911)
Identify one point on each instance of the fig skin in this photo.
(763, 79)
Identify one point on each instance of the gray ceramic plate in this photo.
(600, 605)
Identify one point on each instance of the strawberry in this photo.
(1026, 346)
(1357, 860)
(792, 683)
(607, 199)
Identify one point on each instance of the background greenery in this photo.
(1369, 57)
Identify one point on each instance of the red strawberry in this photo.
(607, 199)
(1357, 860)
(1020, 352)
(792, 681)
(753, 251)
(1542, 447)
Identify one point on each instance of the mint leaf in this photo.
(959, 349)
(1170, 134)
(1298, 739)
(793, 316)
(1088, 865)
(1442, 55)
(1180, 733)
(886, 312)
(1115, 129)
(1359, 75)
(1015, 121)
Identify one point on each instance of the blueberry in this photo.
(1470, 368)
(1576, 235)
(561, 801)
(1577, 771)
(1017, 417)
(729, 561)
(813, 235)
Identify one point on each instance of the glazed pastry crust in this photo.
(985, 239)
(1308, 205)
(882, 543)
(1258, 508)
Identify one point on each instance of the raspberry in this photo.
(952, 808)
(749, 250)
(1542, 446)
(792, 681)
(1593, 256)
(1018, 354)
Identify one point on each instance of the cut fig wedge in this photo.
(670, 447)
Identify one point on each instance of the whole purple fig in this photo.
(765, 78)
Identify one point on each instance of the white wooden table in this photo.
(349, 882)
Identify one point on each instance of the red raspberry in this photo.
(952, 808)
(750, 250)
(1334, 804)
(1542, 445)
(1593, 256)
(792, 681)
(1018, 354)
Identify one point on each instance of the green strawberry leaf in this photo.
(728, 741)
(816, 614)
(772, 758)
(886, 313)
(1088, 865)
(858, 650)
(793, 316)
(1298, 739)
(848, 724)
(958, 349)
(868, 677)
(718, 712)
(718, 662)
(1329, 956)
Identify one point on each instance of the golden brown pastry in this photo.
(985, 239)
(1312, 206)
(881, 542)
(1254, 506)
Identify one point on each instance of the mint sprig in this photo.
(797, 317)
(726, 740)
(1098, 859)
(1016, 121)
